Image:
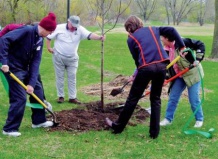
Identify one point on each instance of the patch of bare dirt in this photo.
(117, 83)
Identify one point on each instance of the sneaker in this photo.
(74, 101)
(43, 125)
(165, 122)
(13, 133)
(60, 100)
(198, 124)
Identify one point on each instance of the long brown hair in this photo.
(133, 23)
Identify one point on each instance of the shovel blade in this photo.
(55, 124)
(115, 92)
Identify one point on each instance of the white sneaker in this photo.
(198, 124)
(44, 125)
(165, 122)
(14, 134)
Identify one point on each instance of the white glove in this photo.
(195, 63)
(49, 106)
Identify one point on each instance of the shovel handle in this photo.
(125, 84)
(179, 74)
(173, 62)
(25, 87)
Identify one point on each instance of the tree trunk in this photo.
(214, 53)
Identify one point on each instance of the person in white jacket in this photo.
(67, 38)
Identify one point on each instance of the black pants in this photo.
(156, 74)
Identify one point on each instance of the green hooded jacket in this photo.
(194, 75)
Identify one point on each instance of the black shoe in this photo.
(60, 100)
(153, 136)
(74, 101)
(117, 128)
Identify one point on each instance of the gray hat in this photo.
(74, 20)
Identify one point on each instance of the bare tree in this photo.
(214, 53)
(179, 9)
(107, 11)
(202, 11)
(13, 5)
(167, 11)
(146, 8)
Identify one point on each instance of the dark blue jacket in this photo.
(146, 47)
(21, 50)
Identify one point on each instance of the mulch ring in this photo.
(92, 117)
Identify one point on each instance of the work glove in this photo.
(199, 55)
(5, 68)
(49, 106)
(195, 63)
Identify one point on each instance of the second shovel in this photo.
(117, 91)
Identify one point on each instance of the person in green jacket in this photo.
(190, 80)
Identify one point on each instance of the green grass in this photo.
(134, 141)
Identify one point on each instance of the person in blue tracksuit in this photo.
(20, 53)
(151, 61)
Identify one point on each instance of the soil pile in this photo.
(91, 116)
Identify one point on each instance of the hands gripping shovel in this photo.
(55, 123)
(117, 91)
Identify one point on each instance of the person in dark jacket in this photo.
(20, 52)
(151, 61)
(191, 79)
(14, 26)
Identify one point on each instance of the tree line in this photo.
(170, 12)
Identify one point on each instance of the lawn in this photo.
(134, 141)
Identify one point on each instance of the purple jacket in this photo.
(146, 47)
(9, 27)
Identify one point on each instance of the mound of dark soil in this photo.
(92, 117)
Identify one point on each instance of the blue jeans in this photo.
(193, 95)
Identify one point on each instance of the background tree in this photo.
(32, 10)
(167, 11)
(146, 8)
(214, 53)
(203, 7)
(13, 5)
(179, 9)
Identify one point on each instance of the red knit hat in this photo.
(49, 22)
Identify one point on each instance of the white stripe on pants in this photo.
(70, 64)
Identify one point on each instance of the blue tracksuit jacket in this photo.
(21, 49)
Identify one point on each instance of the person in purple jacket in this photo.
(20, 52)
(9, 28)
(151, 61)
